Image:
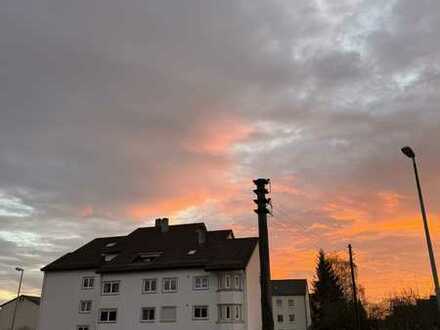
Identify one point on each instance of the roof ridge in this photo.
(22, 296)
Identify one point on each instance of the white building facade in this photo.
(170, 277)
(291, 305)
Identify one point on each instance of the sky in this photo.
(114, 113)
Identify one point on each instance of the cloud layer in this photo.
(114, 114)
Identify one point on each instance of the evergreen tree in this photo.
(329, 306)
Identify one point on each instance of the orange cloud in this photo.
(216, 136)
(167, 206)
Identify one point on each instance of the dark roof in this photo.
(289, 287)
(35, 300)
(220, 252)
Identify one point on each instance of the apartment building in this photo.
(291, 305)
(174, 277)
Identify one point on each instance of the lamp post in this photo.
(21, 270)
(407, 151)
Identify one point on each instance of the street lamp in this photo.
(21, 270)
(407, 151)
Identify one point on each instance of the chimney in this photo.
(201, 236)
(162, 224)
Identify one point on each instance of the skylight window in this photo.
(109, 257)
(146, 257)
(191, 252)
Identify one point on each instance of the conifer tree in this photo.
(329, 307)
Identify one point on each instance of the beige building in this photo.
(27, 313)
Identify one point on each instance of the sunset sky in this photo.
(116, 112)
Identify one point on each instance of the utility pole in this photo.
(265, 282)
(407, 151)
(357, 319)
(21, 270)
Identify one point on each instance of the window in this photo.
(291, 317)
(291, 302)
(85, 306)
(200, 312)
(229, 313)
(108, 315)
(201, 283)
(227, 281)
(169, 285)
(237, 282)
(82, 327)
(279, 303)
(88, 282)
(109, 257)
(237, 312)
(148, 314)
(150, 286)
(146, 257)
(280, 318)
(168, 314)
(110, 287)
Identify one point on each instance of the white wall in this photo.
(301, 310)
(26, 317)
(253, 291)
(62, 294)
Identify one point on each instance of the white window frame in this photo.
(167, 320)
(237, 281)
(237, 312)
(292, 318)
(170, 279)
(154, 314)
(228, 281)
(201, 307)
(85, 303)
(234, 310)
(203, 280)
(149, 280)
(280, 318)
(111, 292)
(88, 279)
(108, 310)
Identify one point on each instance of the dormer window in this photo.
(146, 257)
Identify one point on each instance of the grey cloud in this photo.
(99, 99)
